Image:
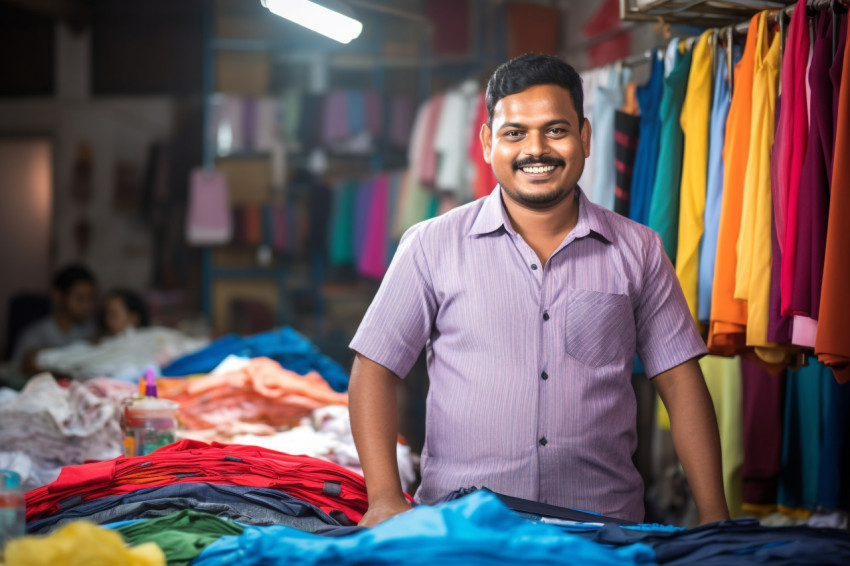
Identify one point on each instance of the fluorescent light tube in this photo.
(317, 18)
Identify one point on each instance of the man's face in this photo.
(78, 303)
(537, 146)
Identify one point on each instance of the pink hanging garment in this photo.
(208, 218)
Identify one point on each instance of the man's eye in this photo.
(513, 133)
(557, 131)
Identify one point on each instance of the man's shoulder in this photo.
(452, 225)
(624, 230)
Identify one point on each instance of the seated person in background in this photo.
(123, 309)
(73, 300)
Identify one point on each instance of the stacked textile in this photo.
(123, 357)
(261, 391)
(334, 490)
(283, 345)
(46, 426)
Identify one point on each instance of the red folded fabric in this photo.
(324, 484)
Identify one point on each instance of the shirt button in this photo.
(545, 316)
(534, 267)
(543, 441)
(544, 375)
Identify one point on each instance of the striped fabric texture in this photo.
(530, 368)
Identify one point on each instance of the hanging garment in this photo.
(714, 183)
(451, 139)
(833, 491)
(723, 378)
(726, 333)
(608, 97)
(696, 113)
(373, 260)
(590, 81)
(833, 341)
(813, 205)
(761, 398)
(664, 207)
(806, 402)
(646, 158)
(626, 136)
(752, 274)
(483, 177)
(208, 219)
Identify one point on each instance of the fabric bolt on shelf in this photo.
(262, 391)
(81, 544)
(477, 529)
(181, 536)
(284, 345)
(329, 486)
(245, 504)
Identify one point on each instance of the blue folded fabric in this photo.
(478, 529)
(284, 345)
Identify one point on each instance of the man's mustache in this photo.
(542, 160)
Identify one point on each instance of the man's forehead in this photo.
(553, 100)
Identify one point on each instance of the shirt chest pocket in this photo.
(599, 328)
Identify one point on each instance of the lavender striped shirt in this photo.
(530, 368)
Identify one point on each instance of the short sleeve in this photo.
(398, 323)
(666, 333)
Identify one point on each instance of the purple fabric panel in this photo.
(249, 122)
(373, 261)
(763, 407)
(812, 209)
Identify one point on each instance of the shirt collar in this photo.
(493, 216)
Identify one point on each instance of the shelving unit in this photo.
(323, 61)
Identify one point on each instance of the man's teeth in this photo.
(544, 169)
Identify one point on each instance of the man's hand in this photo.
(381, 510)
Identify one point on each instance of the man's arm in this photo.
(695, 436)
(374, 423)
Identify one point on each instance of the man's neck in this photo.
(544, 229)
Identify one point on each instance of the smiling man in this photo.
(531, 304)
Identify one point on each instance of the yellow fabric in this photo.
(695, 118)
(752, 276)
(81, 544)
(723, 378)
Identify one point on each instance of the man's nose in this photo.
(536, 144)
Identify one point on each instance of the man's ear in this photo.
(585, 137)
(486, 142)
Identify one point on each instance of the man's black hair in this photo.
(530, 70)
(134, 303)
(70, 275)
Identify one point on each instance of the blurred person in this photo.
(72, 295)
(123, 309)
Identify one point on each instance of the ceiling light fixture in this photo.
(317, 18)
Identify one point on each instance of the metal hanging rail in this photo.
(702, 13)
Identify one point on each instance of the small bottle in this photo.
(12, 508)
(149, 423)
